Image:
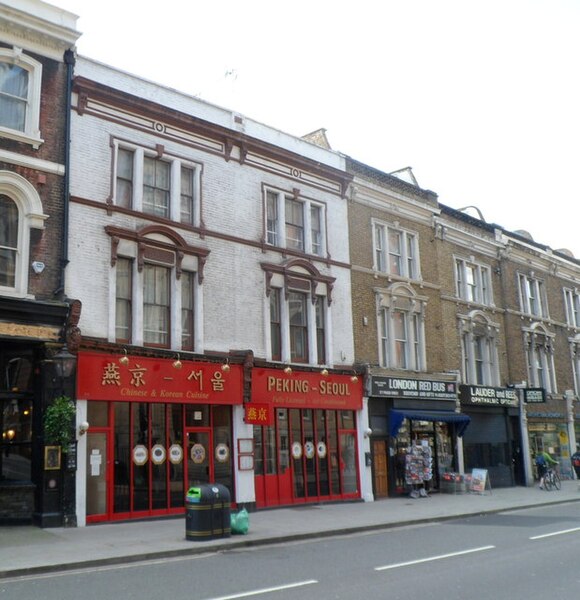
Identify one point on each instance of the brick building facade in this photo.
(36, 43)
(440, 296)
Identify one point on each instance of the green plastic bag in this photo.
(240, 522)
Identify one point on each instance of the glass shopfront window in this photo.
(553, 439)
(158, 450)
(16, 442)
(308, 455)
(16, 408)
(438, 438)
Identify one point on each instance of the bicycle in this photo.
(552, 480)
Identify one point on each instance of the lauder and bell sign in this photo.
(490, 396)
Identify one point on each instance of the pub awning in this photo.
(396, 417)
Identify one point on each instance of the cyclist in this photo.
(576, 461)
(543, 462)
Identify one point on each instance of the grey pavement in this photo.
(27, 550)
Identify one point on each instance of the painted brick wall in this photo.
(232, 205)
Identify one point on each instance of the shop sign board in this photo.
(258, 414)
(306, 390)
(400, 387)
(144, 379)
(488, 396)
(534, 395)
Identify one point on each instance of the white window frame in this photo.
(478, 291)
(31, 133)
(313, 358)
(532, 291)
(129, 250)
(539, 345)
(176, 164)
(409, 260)
(572, 305)
(575, 357)
(475, 328)
(30, 216)
(401, 300)
(276, 235)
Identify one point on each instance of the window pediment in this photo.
(298, 274)
(402, 296)
(158, 244)
(478, 323)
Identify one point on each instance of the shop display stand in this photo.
(418, 470)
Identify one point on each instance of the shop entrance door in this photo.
(98, 482)
(200, 466)
(380, 468)
(273, 475)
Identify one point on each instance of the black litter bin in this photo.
(207, 512)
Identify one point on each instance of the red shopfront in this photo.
(305, 437)
(156, 427)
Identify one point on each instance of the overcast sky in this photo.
(481, 99)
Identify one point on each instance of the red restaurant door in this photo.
(273, 475)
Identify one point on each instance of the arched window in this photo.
(8, 241)
(21, 210)
(479, 338)
(401, 321)
(540, 357)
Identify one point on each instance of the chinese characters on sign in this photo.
(101, 377)
(258, 414)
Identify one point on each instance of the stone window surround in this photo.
(30, 216)
(31, 134)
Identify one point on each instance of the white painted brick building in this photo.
(184, 212)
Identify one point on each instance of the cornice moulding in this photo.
(102, 101)
(38, 35)
(470, 240)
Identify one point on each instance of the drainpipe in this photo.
(69, 61)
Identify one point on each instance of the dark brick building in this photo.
(36, 61)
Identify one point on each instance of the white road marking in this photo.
(546, 535)
(278, 588)
(432, 558)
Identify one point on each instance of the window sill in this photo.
(14, 293)
(20, 136)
